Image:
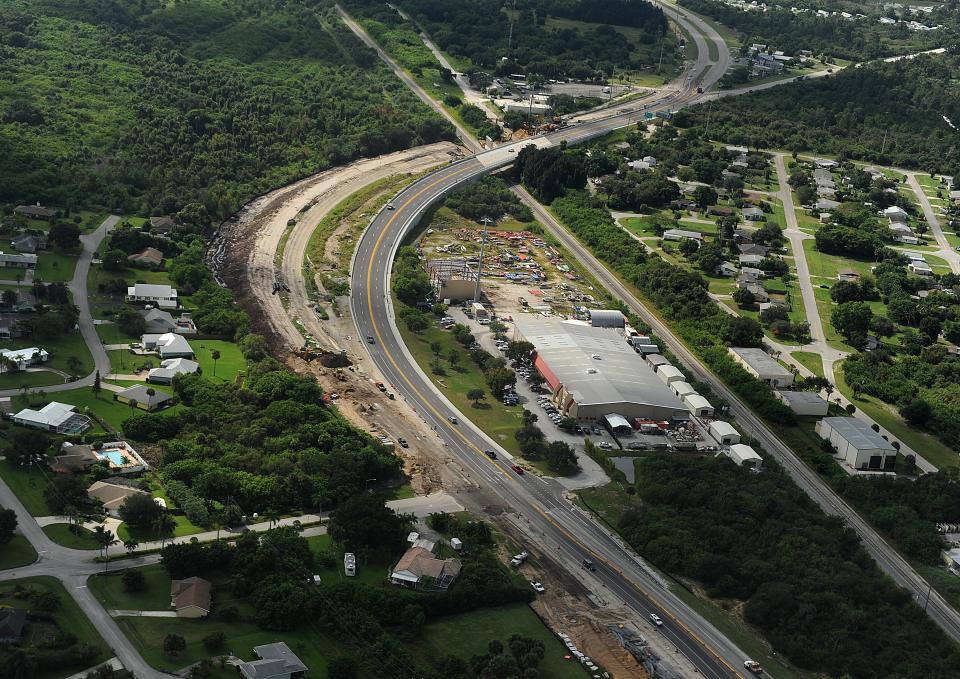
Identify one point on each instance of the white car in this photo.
(606, 445)
(656, 620)
(537, 587)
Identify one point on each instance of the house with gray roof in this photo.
(276, 661)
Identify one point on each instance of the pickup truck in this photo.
(381, 386)
(519, 558)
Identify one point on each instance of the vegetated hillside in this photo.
(889, 113)
(479, 31)
(149, 106)
(855, 39)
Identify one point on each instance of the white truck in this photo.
(519, 559)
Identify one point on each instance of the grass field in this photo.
(24, 379)
(60, 349)
(809, 360)
(109, 590)
(63, 535)
(183, 527)
(112, 412)
(28, 484)
(16, 553)
(370, 573)
(55, 267)
(230, 364)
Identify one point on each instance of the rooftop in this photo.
(276, 660)
(596, 365)
(800, 397)
(761, 361)
(857, 433)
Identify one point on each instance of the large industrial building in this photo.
(859, 445)
(593, 372)
(763, 366)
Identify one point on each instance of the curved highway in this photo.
(576, 535)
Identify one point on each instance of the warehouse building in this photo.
(592, 372)
(745, 456)
(859, 446)
(803, 402)
(682, 389)
(698, 405)
(763, 366)
(607, 318)
(669, 374)
(724, 432)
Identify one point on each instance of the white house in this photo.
(681, 234)
(276, 661)
(170, 368)
(60, 418)
(920, 268)
(163, 296)
(168, 345)
(895, 213)
(21, 359)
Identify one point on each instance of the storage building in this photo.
(724, 432)
(655, 361)
(763, 366)
(607, 318)
(745, 456)
(698, 405)
(669, 374)
(803, 402)
(593, 372)
(682, 389)
(859, 445)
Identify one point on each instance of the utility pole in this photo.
(486, 221)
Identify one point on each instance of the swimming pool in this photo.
(115, 455)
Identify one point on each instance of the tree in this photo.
(105, 539)
(476, 395)
(174, 644)
(253, 347)
(704, 196)
(743, 332)
(140, 510)
(560, 456)
(362, 523)
(343, 667)
(215, 355)
(689, 247)
(64, 235)
(163, 526)
(9, 297)
(743, 297)
(453, 357)
(26, 444)
(519, 350)
(852, 320)
(917, 412)
(133, 580)
(114, 260)
(882, 326)
(97, 387)
(131, 322)
(215, 641)
(130, 545)
(8, 524)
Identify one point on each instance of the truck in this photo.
(479, 311)
(519, 558)
(350, 564)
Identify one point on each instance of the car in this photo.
(537, 587)
(596, 430)
(492, 454)
(511, 150)
(752, 666)
(606, 445)
(389, 206)
(403, 443)
(517, 468)
(589, 565)
(656, 620)
(453, 420)
(370, 339)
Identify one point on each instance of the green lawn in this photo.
(68, 617)
(109, 590)
(110, 411)
(230, 364)
(60, 350)
(63, 535)
(929, 447)
(824, 267)
(28, 484)
(809, 360)
(469, 634)
(55, 267)
(370, 573)
(24, 379)
(16, 553)
(183, 527)
(125, 362)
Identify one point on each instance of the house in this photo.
(163, 296)
(276, 661)
(762, 365)
(895, 213)
(859, 446)
(719, 211)
(12, 621)
(803, 402)
(646, 163)
(823, 178)
(28, 243)
(826, 164)
(59, 418)
(162, 225)
(827, 192)
(18, 260)
(118, 456)
(753, 271)
(680, 234)
(170, 368)
(753, 214)
(21, 359)
(824, 204)
(159, 322)
(726, 269)
(36, 211)
(142, 399)
(190, 597)
(744, 234)
(920, 268)
(824, 217)
(744, 456)
(148, 256)
(111, 495)
(724, 432)
(418, 568)
(848, 275)
(907, 238)
(749, 260)
(167, 345)
(758, 291)
(946, 180)
(752, 249)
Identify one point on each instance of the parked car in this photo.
(537, 587)
(606, 445)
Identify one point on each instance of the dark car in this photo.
(589, 565)
(492, 454)
(403, 443)
(370, 339)
(517, 468)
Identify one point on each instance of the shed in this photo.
(682, 389)
(656, 361)
(724, 432)
(669, 374)
(618, 423)
(745, 456)
(607, 318)
(698, 405)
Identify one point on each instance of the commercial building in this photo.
(724, 432)
(763, 366)
(803, 402)
(163, 296)
(607, 318)
(744, 456)
(59, 418)
(593, 372)
(698, 405)
(276, 661)
(859, 446)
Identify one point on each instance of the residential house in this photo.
(59, 418)
(825, 217)
(163, 296)
(947, 181)
(827, 192)
(823, 178)
(118, 456)
(190, 597)
(36, 211)
(28, 243)
(111, 495)
(144, 401)
(752, 249)
(720, 211)
(159, 322)
(162, 225)
(825, 204)
(12, 621)
(418, 568)
(744, 234)
(18, 260)
(907, 238)
(148, 256)
(753, 214)
(726, 269)
(681, 234)
(750, 260)
(745, 278)
(21, 359)
(759, 292)
(167, 345)
(895, 213)
(920, 268)
(848, 275)
(825, 164)
(170, 368)
(753, 271)
(276, 661)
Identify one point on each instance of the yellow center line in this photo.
(478, 451)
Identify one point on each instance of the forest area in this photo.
(156, 108)
(888, 113)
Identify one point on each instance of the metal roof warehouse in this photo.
(593, 372)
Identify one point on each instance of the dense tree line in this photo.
(488, 197)
(483, 33)
(806, 581)
(188, 107)
(888, 113)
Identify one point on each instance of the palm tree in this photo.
(215, 355)
(163, 526)
(151, 392)
(130, 545)
(272, 516)
(73, 518)
(106, 540)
